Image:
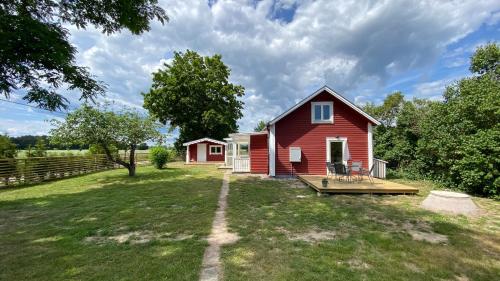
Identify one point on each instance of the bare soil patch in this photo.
(424, 233)
(312, 236)
(135, 237)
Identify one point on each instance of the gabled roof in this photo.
(202, 140)
(333, 93)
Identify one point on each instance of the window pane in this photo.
(243, 149)
(317, 112)
(326, 112)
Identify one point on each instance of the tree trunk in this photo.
(117, 160)
(131, 163)
(131, 171)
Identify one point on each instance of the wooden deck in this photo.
(378, 186)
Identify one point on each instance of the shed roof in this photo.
(202, 140)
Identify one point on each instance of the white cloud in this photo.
(434, 89)
(13, 127)
(345, 44)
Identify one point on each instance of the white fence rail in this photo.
(379, 168)
(241, 165)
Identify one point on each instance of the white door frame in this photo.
(201, 150)
(328, 148)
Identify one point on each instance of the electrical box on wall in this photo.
(295, 154)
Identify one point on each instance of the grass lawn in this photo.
(107, 226)
(289, 233)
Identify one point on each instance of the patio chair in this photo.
(356, 167)
(331, 169)
(342, 172)
(368, 173)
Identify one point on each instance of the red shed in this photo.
(205, 150)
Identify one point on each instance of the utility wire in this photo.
(34, 107)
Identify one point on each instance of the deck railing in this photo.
(241, 165)
(379, 168)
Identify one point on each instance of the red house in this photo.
(205, 150)
(323, 127)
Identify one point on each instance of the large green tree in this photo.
(108, 130)
(193, 94)
(35, 52)
(461, 137)
(455, 141)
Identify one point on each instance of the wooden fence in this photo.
(38, 169)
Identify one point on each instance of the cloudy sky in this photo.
(283, 50)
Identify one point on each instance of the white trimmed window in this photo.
(215, 149)
(243, 149)
(322, 112)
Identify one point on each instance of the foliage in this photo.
(158, 156)
(95, 149)
(8, 152)
(23, 142)
(40, 149)
(486, 60)
(143, 146)
(107, 129)
(7, 148)
(455, 142)
(260, 126)
(193, 94)
(35, 48)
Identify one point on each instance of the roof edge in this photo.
(333, 93)
(202, 140)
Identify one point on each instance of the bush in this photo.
(159, 156)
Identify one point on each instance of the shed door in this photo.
(201, 155)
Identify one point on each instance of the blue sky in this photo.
(282, 50)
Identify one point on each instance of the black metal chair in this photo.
(342, 171)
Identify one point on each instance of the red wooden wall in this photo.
(210, 158)
(296, 129)
(259, 160)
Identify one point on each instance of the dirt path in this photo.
(211, 266)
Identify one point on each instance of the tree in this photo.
(260, 126)
(8, 152)
(40, 149)
(35, 49)
(7, 148)
(193, 94)
(486, 60)
(124, 130)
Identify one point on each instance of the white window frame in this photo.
(210, 149)
(322, 121)
(239, 150)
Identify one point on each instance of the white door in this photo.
(201, 155)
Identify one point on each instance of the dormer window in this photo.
(322, 112)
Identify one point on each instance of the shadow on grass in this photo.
(46, 237)
(373, 238)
